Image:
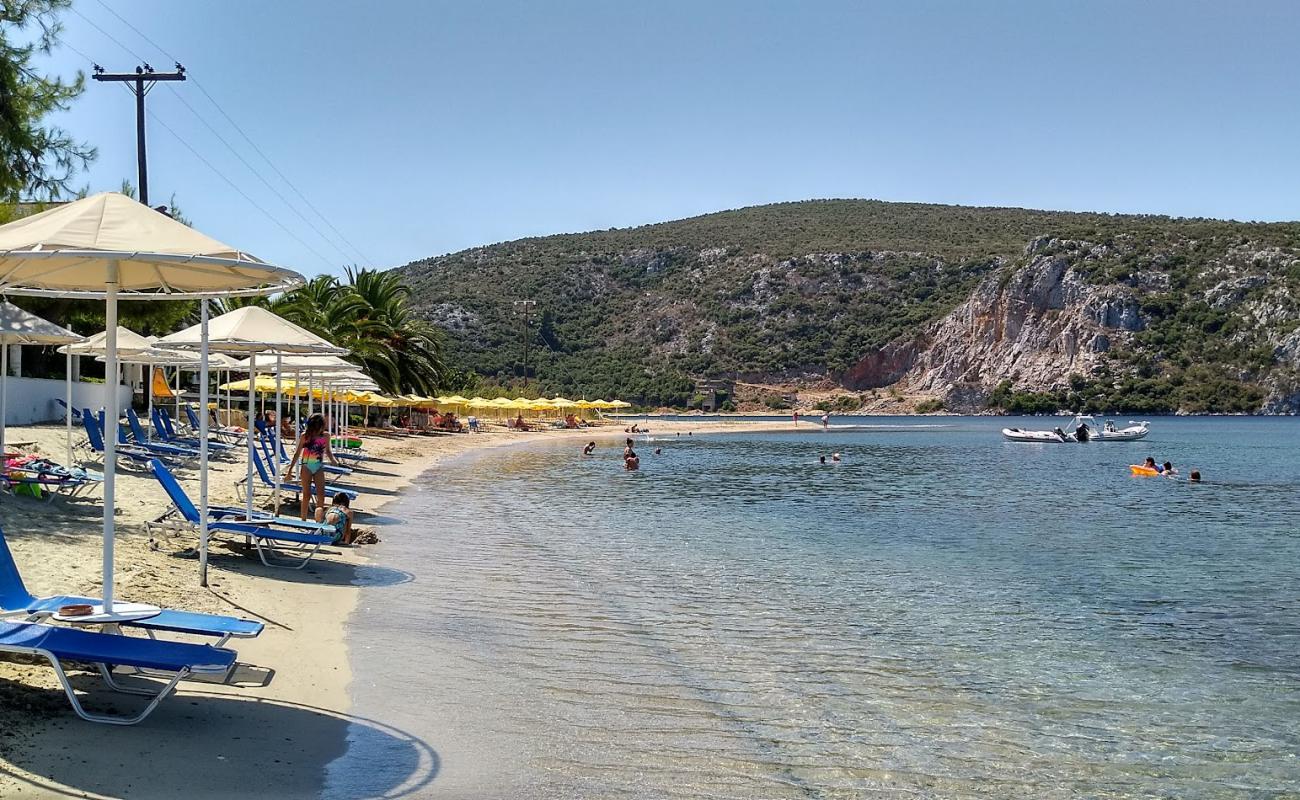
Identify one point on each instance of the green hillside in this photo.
(802, 291)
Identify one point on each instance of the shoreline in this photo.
(281, 735)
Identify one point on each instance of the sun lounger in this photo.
(63, 404)
(229, 433)
(105, 651)
(42, 476)
(262, 532)
(263, 475)
(167, 435)
(95, 436)
(14, 597)
(271, 443)
(142, 440)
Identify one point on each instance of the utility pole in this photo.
(140, 82)
(527, 306)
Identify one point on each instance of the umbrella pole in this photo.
(149, 388)
(110, 427)
(252, 381)
(203, 442)
(275, 436)
(67, 415)
(4, 403)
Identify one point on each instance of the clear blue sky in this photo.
(420, 128)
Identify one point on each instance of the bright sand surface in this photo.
(271, 729)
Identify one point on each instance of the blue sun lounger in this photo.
(95, 436)
(264, 535)
(105, 651)
(232, 435)
(292, 489)
(142, 439)
(184, 506)
(16, 599)
(162, 425)
(272, 443)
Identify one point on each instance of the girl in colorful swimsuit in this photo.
(313, 451)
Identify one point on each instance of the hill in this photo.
(880, 301)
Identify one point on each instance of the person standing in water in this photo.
(312, 453)
(826, 421)
(589, 449)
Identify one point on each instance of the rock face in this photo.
(1034, 324)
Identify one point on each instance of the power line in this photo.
(238, 190)
(257, 174)
(283, 177)
(252, 144)
(113, 38)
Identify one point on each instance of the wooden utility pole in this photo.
(140, 82)
(527, 306)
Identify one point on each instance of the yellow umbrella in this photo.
(619, 404)
(586, 404)
(478, 402)
(456, 400)
(264, 384)
(563, 402)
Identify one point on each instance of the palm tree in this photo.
(370, 316)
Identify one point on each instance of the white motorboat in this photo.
(1083, 428)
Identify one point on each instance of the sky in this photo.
(417, 127)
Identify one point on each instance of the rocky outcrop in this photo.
(1034, 323)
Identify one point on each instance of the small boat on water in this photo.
(1083, 428)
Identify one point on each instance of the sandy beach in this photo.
(284, 714)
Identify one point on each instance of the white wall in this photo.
(33, 399)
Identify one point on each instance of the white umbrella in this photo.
(106, 246)
(252, 330)
(22, 327)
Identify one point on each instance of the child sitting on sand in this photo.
(339, 517)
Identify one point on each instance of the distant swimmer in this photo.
(835, 457)
(659, 451)
(1168, 469)
(589, 449)
(823, 459)
(1195, 477)
(631, 461)
(1150, 463)
(627, 451)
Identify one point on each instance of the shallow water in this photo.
(942, 614)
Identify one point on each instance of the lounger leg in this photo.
(105, 718)
(262, 553)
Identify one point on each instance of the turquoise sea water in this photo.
(942, 614)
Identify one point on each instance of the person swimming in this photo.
(1150, 463)
(1168, 469)
(823, 459)
(835, 457)
(589, 449)
(1195, 477)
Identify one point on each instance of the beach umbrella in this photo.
(109, 246)
(21, 327)
(619, 404)
(253, 331)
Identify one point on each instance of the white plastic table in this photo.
(120, 612)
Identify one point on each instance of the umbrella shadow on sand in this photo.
(202, 744)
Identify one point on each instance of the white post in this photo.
(149, 388)
(110, 427)
(203, 442)
(275, 437)
(67, 416)
(4, 401)
(252, 382)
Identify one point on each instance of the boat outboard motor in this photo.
(1081, 433)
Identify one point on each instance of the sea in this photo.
(939, 614)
